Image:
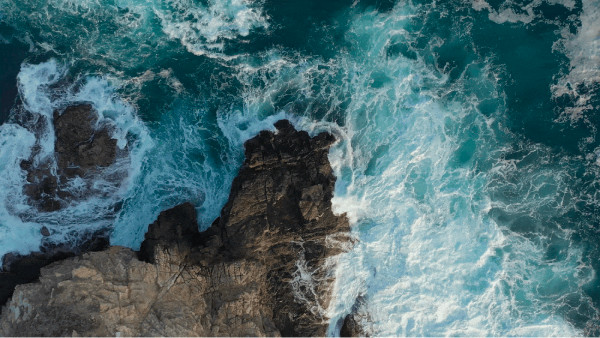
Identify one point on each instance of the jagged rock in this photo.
(41, 186)
(80, 148)
(262, 268)
(358, 322)
(175, 228)
(279, 211)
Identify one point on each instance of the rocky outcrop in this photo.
(279, 211)
(358, 322)
(81, 147)
(264, 267)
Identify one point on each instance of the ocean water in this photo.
(467, 155)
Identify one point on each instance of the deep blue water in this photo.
(467, 157)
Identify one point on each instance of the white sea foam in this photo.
(33, 82)
(517, 12)
(568, 4)
(203, 30)
(506, 12)
(583, 50)
(431, 260)
(121, 34)
(127, 19)
(15, 235)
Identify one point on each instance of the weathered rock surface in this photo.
(80, 147)
(262, 268)
(19, 269)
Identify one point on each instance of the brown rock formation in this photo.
(358, 322)
(262, 268)
(80, 148)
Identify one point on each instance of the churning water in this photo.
(467, 157)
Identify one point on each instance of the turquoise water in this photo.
(467, 158)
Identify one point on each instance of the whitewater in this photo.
(467, 156)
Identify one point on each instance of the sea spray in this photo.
(15, 235)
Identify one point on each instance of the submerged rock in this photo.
(45, 232)
(81, 147)
(263, 268)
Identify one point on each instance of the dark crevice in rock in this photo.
(176, 227)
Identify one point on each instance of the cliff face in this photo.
(263, 268)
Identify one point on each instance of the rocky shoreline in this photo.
(264, 267)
